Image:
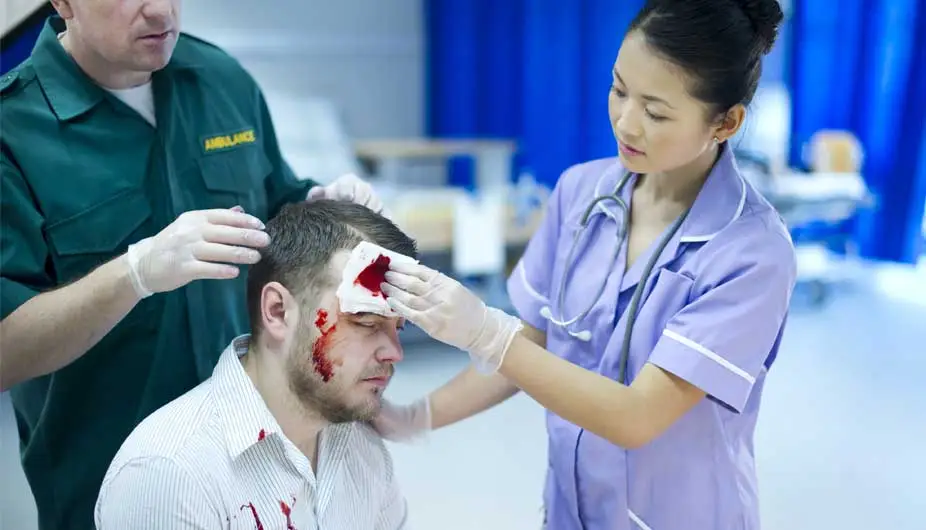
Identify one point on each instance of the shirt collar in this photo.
(606, 185)
(70, 91)
(245, 417)
(719, 203)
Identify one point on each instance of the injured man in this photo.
(277, 436)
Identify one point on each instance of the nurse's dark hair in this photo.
(303, 238)
(719, 44)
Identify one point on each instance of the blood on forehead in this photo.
(374, 276)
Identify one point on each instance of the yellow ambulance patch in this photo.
(229, 141)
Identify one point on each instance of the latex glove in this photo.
(403, 423)
(198, 245)
(351, 188)
(451, 313)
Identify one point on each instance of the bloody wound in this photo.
(373, 276)
(319, 360)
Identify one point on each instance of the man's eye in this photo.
(367, 324)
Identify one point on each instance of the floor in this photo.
(840, 441)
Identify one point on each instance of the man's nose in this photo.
(158, 9)
(391, 351)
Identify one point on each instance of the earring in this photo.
(716, 140)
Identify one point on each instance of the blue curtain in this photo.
(862, 67)
(18, 43)
(537, 71)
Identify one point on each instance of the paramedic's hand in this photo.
(450, 313)
(350, 188)
(403, 423)
(198, 245)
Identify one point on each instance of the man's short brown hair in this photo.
(303, 238)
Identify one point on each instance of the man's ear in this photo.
(279, 312)
(63, 7)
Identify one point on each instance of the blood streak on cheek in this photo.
(320, 360)
(374, 275)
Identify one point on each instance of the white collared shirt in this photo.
(215, 458)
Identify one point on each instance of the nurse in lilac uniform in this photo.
(670, 445)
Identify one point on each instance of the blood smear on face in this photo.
(320, 360)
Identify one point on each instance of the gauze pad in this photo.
(359, 291)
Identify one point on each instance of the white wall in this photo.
(14, 11)
(366, 56)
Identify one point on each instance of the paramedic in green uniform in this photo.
(137, 165)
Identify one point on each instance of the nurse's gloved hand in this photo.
(198, 245)
(350, 188)
(450, 313)
(403, 423)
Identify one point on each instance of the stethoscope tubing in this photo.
(585, 335)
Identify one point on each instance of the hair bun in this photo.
(766, 17)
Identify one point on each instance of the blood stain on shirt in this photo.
(250, 505)
(373, 276)
(320, 360)
(287, 511)
(261, 435)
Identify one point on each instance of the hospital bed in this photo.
(816, 203)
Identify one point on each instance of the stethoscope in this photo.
(623, 225)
